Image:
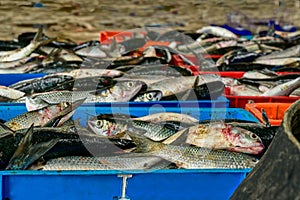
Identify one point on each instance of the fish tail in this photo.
(27, 153)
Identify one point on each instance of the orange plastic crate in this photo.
(275, 111)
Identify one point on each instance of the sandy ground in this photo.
(82, 20)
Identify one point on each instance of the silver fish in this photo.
(191, 157)
(217, 31)
(100, 163)
(121, 92)
(42, 116)
(84, 73)
(224, 136)
(284, 89)
(26, 51)
(7, 94)
(169, 116)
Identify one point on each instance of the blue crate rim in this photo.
(118, 172)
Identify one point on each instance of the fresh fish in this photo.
(148, 96)
(113, 127)
(73, 140)
(7, 93)
(64, 54)
(43, 84)
(173, 86)
(284, 89)
(148, 79)
(42, 116)
(120, 92)
(259, 74)
(217, 31)
(287, 53)
(244, 90)
(84, 73)
(26, 51)
(168, 116)
(278, 61)
(191, 157)
(224, 136)
(15, 66)
(27, 152)
(100, 163)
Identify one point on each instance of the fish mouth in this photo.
(253, 149)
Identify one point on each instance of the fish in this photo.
(173, 86)
(16, 66)
(115, 126)
(27, 152)
(217, 31)
(42, 116)
(168, 116)
(293, 51)
(85, 73)
(244, 90)
(224, 136)
(190, 157)
(73, 140)
(284, 89)
(7, 94)
(43, 84)
(148, 96)
(264, 74)
(122, 91)
(118, 162)
(19, 54)
(278, 61)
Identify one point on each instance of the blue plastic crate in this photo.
(8, 111)
(161, 184)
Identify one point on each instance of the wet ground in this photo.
(82, 20)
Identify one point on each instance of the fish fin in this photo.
(178, 138)
(27, 153)
(38, 38)
(265, 118)
(9, 130)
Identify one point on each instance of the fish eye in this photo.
(253, 136)
(149, 95)
(130, 84)
(99, 124)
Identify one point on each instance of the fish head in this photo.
(128, 89)
(104, 127)
(242, 140)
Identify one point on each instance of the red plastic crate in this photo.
(106, 37)
(241, 101)
(274, 111)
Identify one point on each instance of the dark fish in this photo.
(43, 84)
(73, 140)
(28, 152)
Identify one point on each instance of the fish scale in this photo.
(196, 157)
(192, 157)
(100, 163)
(119, 92)
(156, 132)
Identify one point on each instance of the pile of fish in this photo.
(149, 66)
(48, 139)
(264, 83)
